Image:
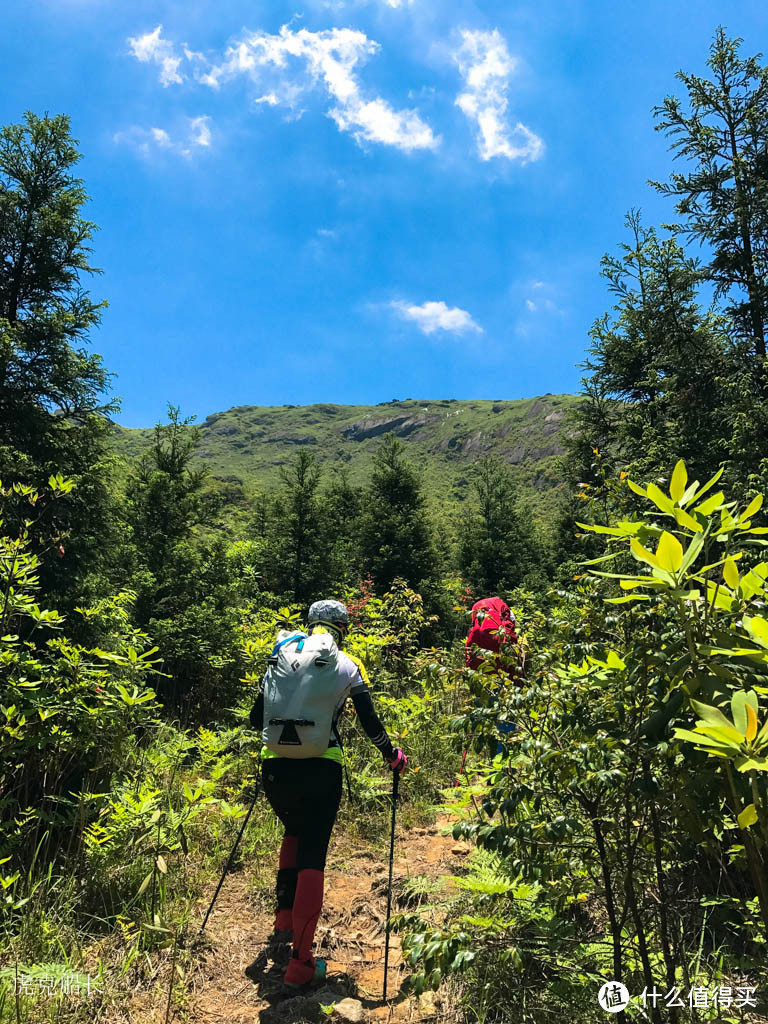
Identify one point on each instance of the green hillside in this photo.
(245, 447)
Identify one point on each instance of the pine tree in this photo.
(498, 547)
(299, 566)
(723, 201)
(661, 371)
(395, 535)
(53, 410)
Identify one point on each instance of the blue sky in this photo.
(355, 200)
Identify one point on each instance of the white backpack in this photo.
(302, 691)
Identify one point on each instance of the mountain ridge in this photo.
(244, 447)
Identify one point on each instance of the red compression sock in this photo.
(306, 911)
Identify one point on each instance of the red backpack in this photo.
(493, 628)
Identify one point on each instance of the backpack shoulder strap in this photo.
(301, 637)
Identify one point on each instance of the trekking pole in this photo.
(463, 761)
(231, 856)
(395, 786)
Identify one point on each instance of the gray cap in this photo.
(332, 612)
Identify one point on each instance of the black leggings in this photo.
(305, 794)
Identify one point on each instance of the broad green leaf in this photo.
(700, 740)
(710, 715)
(659, 498)
(754, 506)
(753, 581)
(757, 626)
(678, 482)
(710, 483)
(643, 554)
(669, 554)
(144, 884)
(692, 552)
(717, 597)
(748, 816)
(613, 660)
(753, 764)
(601, 529)
(627, 599)
(690, 493)
(637, 489)
(731, 574)
(739, 710)
(706, 508)
(683, 519)
(724, 734)
(751, 731)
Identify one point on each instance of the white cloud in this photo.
(200, 130)
(532, 307)
(436, 316)
(151, 48)
(486, 66)
(329, 58)
(147, 140)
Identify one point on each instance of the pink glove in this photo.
(399, 762)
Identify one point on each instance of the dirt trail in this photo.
(350, 937)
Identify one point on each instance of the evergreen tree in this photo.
(661, 371)
(723, 200)
(498, 548)
(53, 413)
(299, 566)
(341, 505)
(395, 534)
(167, 500)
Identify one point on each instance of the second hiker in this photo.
(303, 693)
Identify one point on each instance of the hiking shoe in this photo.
(301, 976)
(279, 947)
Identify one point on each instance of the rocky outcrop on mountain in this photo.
(293, 438)
(372, 426)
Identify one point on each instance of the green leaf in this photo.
(659, 498)
(636, 488)
(710, 483)
(751, 731)
(710, 715)
(739, 710)
(678, 482)
(748, 816)
(757, 626)
(706, 508)
(692, 552)
(144, 884)
(643, 554)
(724, 734)
(683, 519)
(669, 554)
(731, 574)
(602, 529)
(754, 506)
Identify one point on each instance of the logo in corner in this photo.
(613, 997)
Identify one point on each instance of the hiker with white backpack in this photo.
(307, 683)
